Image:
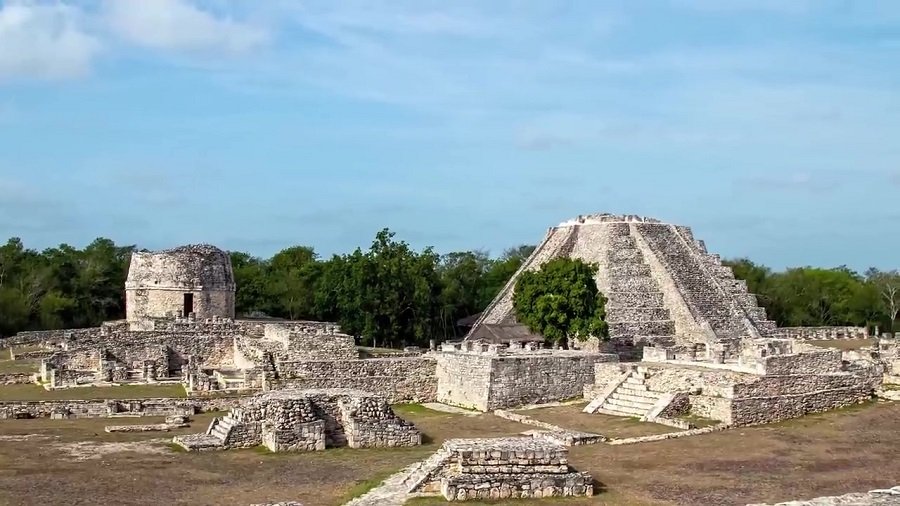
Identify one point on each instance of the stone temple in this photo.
(662, 286)
(185, 281)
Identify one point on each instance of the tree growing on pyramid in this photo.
(561, 301)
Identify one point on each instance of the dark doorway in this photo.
(188, 303)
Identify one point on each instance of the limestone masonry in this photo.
(190, 280)
(662, 286)
(307, 420)
(500, 468)
(686, 339)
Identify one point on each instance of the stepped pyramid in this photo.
(662, 286)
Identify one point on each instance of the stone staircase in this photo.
(214, 438)
(423, 471)
(635, 309)
(631, 398)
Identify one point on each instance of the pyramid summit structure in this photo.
(662, 286)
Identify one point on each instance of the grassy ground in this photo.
(843, 344)
(571, 417)
(38, 393)
(7, 365)
(40, 471)
(12, 366)
(833, 453)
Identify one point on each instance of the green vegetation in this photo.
(561, 300)
(390, 295)
(811, 296)
(38, 393)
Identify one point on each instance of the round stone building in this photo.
(186, 280)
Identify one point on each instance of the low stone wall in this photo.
(821, 333)
(501, 468)
(100, 408)
(16, 378)
(824, 361)
(396, 379)
(489, 381)
(538, 379)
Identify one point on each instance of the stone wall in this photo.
(499, 379)
(397, 379)
(159, 303)
(822, 361)
(538, 379)
(822, 333)
(464, 380)
(506, 468)
(99, 408)
(157, 282)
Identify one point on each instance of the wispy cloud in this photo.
(178, 25)
(44, 41)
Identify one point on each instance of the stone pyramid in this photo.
(662, 286)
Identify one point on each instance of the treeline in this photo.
(812, 296)
(389, 294)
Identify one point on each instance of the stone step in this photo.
(420, 473)
(631, 314)
(220, 432)
(629, 269)
(636, 378)
(643, 406)
(643, 393)
(198, 442)
(638, 399)
(642, 328)
(624, 410)
(632, 389)
(627, 299)
(633, 284)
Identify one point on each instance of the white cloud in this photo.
(178, 25)
(44, 41)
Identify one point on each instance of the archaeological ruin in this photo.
(687, 342)
(306, 420)
(686, 338)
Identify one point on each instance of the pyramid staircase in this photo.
(630, 397)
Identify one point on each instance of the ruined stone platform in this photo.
(500, 468)
(307, 420)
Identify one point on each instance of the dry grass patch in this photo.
(619, 427)
(34, 470)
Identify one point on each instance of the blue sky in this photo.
(770, 127)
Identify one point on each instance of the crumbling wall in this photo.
(821, 333)
(824, 361)
(396, 379)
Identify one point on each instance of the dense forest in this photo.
(390, 294)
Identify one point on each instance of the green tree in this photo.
(292, 282)
(887, 285)
(561, 301)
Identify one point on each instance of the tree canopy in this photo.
(390, 294)
(561, 301)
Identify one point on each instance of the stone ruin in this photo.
(499, 468)
(686, 337)
(307, 420)
(662, 286)
(755, 381)
(195, 280)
